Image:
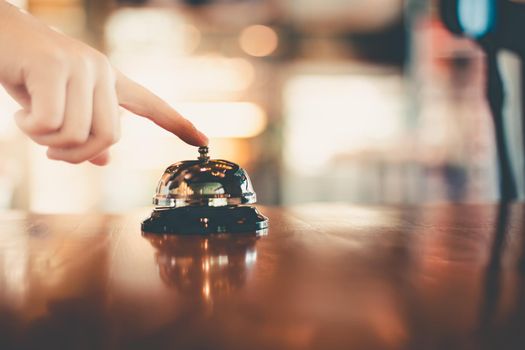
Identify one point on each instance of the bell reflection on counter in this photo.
(207, 267)
(205, 196)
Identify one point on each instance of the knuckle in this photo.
(103, 66)
(83, 62)
(88, 60)
(45, 125)
(100, 59)
(91, 56)
(84, 58)
(56, 59)
(108, 138)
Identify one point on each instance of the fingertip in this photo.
(192, 135)
(195, 140)
(202, 140)
(51, 154)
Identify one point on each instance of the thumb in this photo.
(139, 100)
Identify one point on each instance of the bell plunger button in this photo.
(203, 154)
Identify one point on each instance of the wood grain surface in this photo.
(325, 277)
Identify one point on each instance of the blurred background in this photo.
(358, 101)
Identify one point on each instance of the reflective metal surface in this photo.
(204, 220)
(327, 277)
(204, 182)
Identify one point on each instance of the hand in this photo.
(70, 93)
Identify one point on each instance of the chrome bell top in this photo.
(204, 182)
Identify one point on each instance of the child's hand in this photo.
(70, 93)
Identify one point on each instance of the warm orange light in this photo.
(359, 112)
(19, 3)
(206, 289)
(161, 33)
(258, 40)
(226, 119)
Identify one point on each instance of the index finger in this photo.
(139, 100)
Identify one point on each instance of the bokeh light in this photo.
(226, 119)
(258, 40)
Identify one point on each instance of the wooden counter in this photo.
(326, 277)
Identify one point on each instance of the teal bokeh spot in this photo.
(476, 17)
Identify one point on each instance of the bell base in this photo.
(206, 220)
